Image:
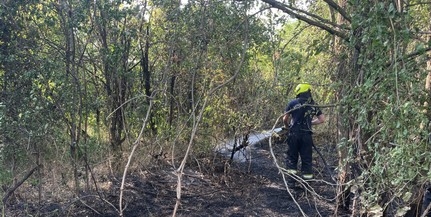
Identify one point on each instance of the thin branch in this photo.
(80, 199)
(312, 105)
(88, 206)
(293, 37)
(119, 107)
(11, 190)
(339, 9)
(135, 146)
(424, 32)
(289, 11)
(318, 18)
(410, 56)
(416, 53)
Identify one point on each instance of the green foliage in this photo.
(194, 48)
(386, 104)
(5, 176)
(305, 57)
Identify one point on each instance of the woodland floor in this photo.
(211, 187)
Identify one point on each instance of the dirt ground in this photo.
(211, 187)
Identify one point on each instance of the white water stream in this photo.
(244, 154)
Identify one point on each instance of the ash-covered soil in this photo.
(210, 187)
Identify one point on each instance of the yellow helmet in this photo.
(302, 88)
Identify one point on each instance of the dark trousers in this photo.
(300, 145)
(426, 201)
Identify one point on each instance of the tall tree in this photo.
(111, 24)
(72, 110)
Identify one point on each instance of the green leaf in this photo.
(420, 47)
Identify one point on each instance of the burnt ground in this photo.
(211, 187)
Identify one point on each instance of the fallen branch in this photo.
(10, 191)
(81, 200)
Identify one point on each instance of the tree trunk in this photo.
(171, 99)
(175, 63)
(428, 82)
(74, 120)
(146, 76)
(114, 70)
(344, 124)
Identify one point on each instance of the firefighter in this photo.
(300, 114)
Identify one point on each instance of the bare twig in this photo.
(88, 206)
(110, 114)
(135, 146)
(80, 199)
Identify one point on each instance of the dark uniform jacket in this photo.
(301, 116)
